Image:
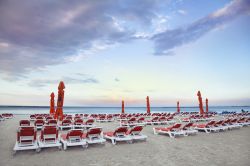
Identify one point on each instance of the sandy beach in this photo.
(174, 70)
(223, 148)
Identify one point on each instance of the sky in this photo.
(113, 50)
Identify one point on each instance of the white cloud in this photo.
(4, 45)
(182, 12)
(168, 40)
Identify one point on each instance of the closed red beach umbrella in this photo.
(206, 105)
(178, 107)
(60, 99)
(148, 105)
(123, 109)
(52, 103)
(200, 102)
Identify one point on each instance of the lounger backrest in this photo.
(26, 132)
(170, 118)
(155, 118)
(135, 130)
(211, 123)
(78, 121)
(69, 117)
(227, 121)
(109, 116)
(188, 125)
(49, 130)
(77, 117)
(102, 117)
(163, 118)
(66, 122)
(176, 126)
(90, 121)
(39, 117)
(219, 122)
(185, 119)
(94, 131)
(52, 122)
(141, 119)
(39, 122)
(120, 131)
(48, 118)
(24, 123)
(132, 119)
(74, 133)
(242, 119)
(233, 120)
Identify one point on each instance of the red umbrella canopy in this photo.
(200, 102)
(123, 109)
(178, 107)
(52, 103)
(148, 105)
(60, 99)
(206, 105)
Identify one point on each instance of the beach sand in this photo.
(224, 148)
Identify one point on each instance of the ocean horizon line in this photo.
(36, 106)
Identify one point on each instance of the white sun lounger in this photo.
(135, 133)
(26, 139)
(49, 137)
(94, 136)
(172, 131)
(120, 134)
(74, 138)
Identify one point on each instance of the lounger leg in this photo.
(130, 142)
(38, 150)
(207, 131)
(64, 146)
(155, 131)
(85, 146)
(113, 141)
(170, 135)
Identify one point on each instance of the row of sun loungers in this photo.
(133, 122)
(221, 125)
(105, 118)
(123, 134)
(156, 120)
(111, 117)
(83, 134)
(194, 116)
(78, 123)
(212, 126)
(161, 120)
(5, 116)
(176, 130)
(142, 122)
(235, 113)
(27, 136)
(65, 124)
(196, 119)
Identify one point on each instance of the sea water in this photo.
(96, 110)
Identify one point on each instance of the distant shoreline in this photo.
(13, 106)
